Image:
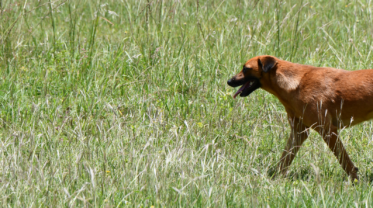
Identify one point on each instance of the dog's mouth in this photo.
(247, 88)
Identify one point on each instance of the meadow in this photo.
(125, 103)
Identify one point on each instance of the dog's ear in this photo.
(266, 63)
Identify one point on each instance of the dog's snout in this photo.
(230, 81)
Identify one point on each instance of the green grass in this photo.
(125, 103)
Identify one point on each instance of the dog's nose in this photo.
(230, 82)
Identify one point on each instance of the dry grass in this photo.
(125, 103)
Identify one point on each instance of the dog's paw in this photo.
(354, 176)
(272, 172)
(355, 181)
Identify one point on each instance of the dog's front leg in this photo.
(298, 135)
(335, 144)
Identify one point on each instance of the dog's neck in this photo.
(287, 82)
(287, 79)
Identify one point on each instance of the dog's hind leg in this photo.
(299, 133)
(335, 144)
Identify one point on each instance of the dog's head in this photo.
(250, 76)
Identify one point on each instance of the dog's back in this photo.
(347, 95)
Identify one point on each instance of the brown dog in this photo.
(320, 98)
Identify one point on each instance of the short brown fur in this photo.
(320, 98)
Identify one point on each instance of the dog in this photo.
(319, 98)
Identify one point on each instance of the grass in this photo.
(125, 103)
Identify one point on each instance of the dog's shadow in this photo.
(369, 177)
(303, 174)
(307, 174)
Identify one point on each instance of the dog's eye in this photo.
(245, 69)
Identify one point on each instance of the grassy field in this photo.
(125, 103)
